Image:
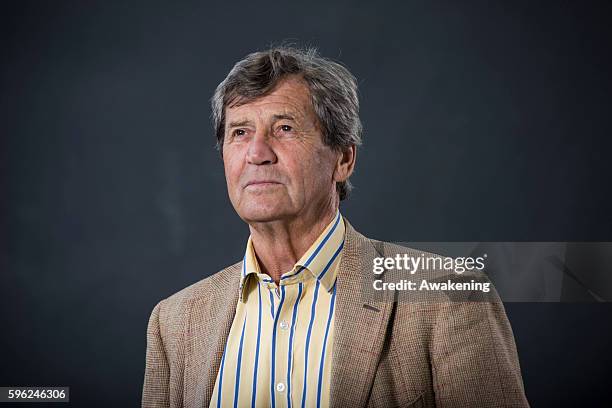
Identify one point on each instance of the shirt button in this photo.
(280, 387)
(284, 325)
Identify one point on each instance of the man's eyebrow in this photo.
(285, 116)
(239, 123)
(246, 122)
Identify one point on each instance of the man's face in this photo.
(276, 165)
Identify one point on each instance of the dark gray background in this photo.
(483, 121)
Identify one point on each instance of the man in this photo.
(287, 325)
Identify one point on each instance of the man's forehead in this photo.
(290, 97)
(270, 109)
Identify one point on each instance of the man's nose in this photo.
(260, 151)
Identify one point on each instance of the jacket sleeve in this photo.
(474, 358)
(155, 391)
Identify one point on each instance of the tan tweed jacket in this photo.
(386, 354)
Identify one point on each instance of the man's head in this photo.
(287, 125)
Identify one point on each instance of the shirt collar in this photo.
(321, 259)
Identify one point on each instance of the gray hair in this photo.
(333, 91)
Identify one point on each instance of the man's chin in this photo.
(263, 215)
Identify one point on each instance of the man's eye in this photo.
(239, 132)
(286, 128)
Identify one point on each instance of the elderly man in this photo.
(288, 325)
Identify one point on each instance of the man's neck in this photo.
(280, 244)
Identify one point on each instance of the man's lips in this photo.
(261, 183)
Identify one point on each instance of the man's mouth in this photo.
(262, 183)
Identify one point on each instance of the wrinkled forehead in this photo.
(290, 97)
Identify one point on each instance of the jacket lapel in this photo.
(210, 321)
(360, 324)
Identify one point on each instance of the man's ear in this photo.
(345, 163)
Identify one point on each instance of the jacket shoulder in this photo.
(175, 306)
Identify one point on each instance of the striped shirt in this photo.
(278, 353)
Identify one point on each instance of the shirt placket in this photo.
(282, 353)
